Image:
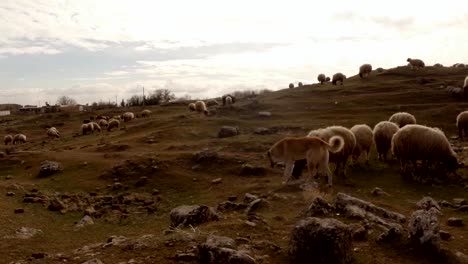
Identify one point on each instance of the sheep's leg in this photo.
(367, 156)
(460, 133)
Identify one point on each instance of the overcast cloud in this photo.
(99, 50)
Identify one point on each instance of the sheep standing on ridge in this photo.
(462, 124)
(19, 138)
(420, 143)
(192, 107)
(321, 78)
(113, 123)
(146, 113)
(338, 77)
(200, 107)
(300, 84)
(364, 139)
(291, 85)
(228, 100)
(128, 116)
(327, 79)
(8, 139)
(415, 63)
(402, 119)
(226, 96)
(52, 132)
(365, 70)
(383, 133)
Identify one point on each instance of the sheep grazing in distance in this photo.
(383, 133)
(415, 63)
(291, 85)
(327, 79)
(364, 139)
(96, 126)
(462, 124)
(459, 65)
(300, 84)
(117, 117)
(465, 84)
(321, 78)
(379, 69)
(438, 65)
(192, 107)
(53, 132)
(200, 107)
(212, 102)
(226, 96)
(113, 123)
(19, 138)
(402, 119)
(456, 92)
(128, 116)
(228, 100)
(365, 70)
(103, 123)
(338, 77)
(145, 113)
(420, 143)
(86, 128)
(8, 139)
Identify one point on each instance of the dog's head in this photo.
(272, 163)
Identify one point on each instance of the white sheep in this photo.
(146, 113)
(128, 116)
(415, 63)
(462, 124)
(52, 132)
(200, 107)
(465, 84)
(96, 127)
(113, 123)
(365, 70)
(321, 78)
(192, 107)
(341, 157)
(228, 100)
(402, 119)
(420, 143)
(383, 133)
(338, 77)
(19, 138)
(103, 123)
(8, 139)
(226, 96)
(87, 128)
(364, 139)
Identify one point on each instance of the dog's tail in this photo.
(335, 144)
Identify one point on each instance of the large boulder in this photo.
(194, 215)
(427, 203)
(219, 249)
(424, 229)
(48, 168)
(228, 131)
(320, 240)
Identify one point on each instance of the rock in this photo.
(90, 211)
(217, 181)
(142, 181)
(427, 203)
(462, 258)
(378, 192)
(257, 205)
(38, 255)
(117, 186)
(444, 235)
(248, 198)
(316, 240)
(232, 198)
(186, 257)
(354, 212)
(230, 206)
(424, 228)
(463, 208)
(390, 235)
(49, 168)
(205, 155)
(85, 221)
(10, 194)
(444, 203)
(155, 192)
(218, 249)
(93, 261)
(27, 232)
(454, 221)
(250, 170)
(194, 215)
(8, 177)
(358, 232)
(19, 210)
(56, 204)
(458, 202)
(228, 131)
(319, 207)
(264, 114)
(262, 131)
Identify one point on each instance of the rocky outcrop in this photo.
(193, 215)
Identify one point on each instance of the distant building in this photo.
(5, 113)
(30, 109)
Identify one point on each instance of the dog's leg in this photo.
(312, 171)
(288, 171)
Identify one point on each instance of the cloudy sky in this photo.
(99, 50)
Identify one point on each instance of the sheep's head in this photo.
(408, 60)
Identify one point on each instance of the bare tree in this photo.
(65, 100)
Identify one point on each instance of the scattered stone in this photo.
(228, 131)
(250, 223)
(458, 202)
(9, 177)
(186, 215)
(378, 192)
(319, 207)
(219, 249)
(355, 212)
(27, 232)
(424, 229)
(117, 186)
(445, 203)
(155, 192)
(248, 198)
(49, 168)
(463, 208)
(317, 240)
(186, 257)
(93, 261)
(262, 131)
(257, 205)
(454, 221)
(264, 114)
(85, 221)
(232, 198)
(142, 181)
(205, 155)
(358, 232)
(38, 255)
(10, 194)
(90, 211)
(250, 170)
(56, 205)
(217, 181)
(427, 203)
(390, 235)
(444, 235)
(230, 206)
(461, 257)
(19, 211)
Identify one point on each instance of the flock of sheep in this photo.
(202, 107)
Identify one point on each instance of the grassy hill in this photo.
(162, 149)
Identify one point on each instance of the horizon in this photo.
(99, 51)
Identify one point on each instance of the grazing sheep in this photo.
(53, 132)
(402, 119)
(226, 96)
(365, 70)
(192, 107)
(379, 69)
(321, 78)
(117, 117)
(327, 79)
(228, 100)
(103, 123)
(291, 85)
(338, 77)
(456, 92)
(8, 139)
(465, 84)
(200, 107)
(211, 102)
(96, 126)
(420, 143)
(19, 138)
(438, 65)
(128, 116)
(415, 63)
(459, 65)
(300, 84)
(313, 149)
(113, 123)
(341, 157)
(146, 113)
(87, 128)
(364, 139)
(462, 124)
(383, 133)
